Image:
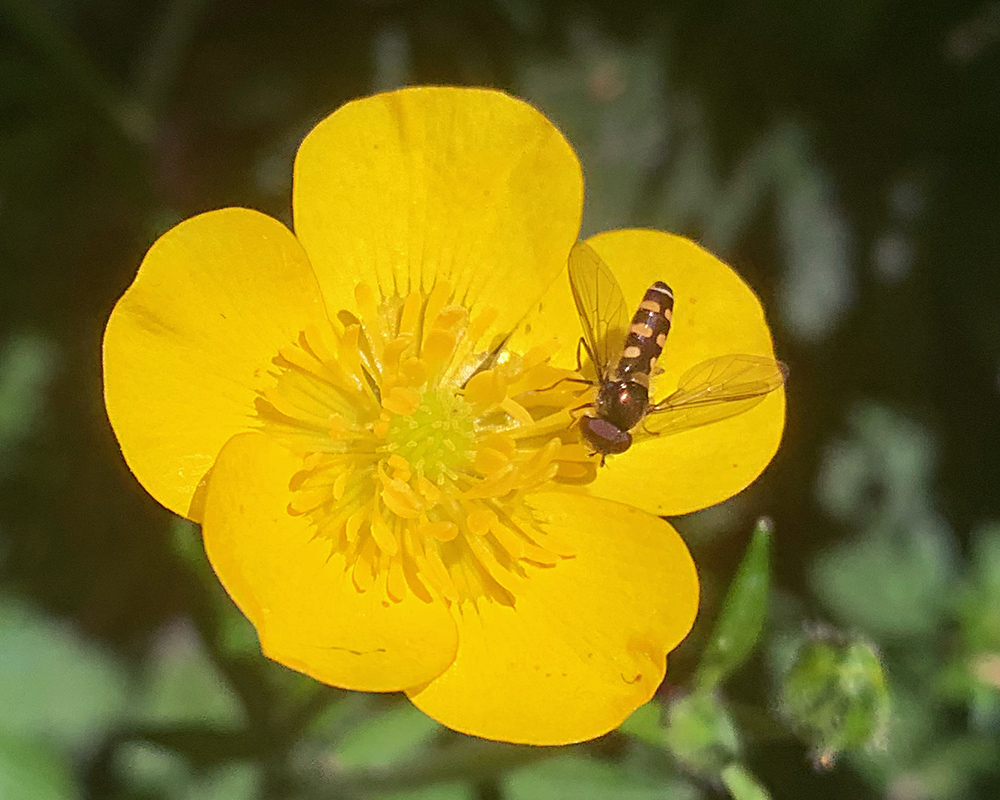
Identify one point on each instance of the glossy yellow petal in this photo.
(295, 589)
(715, 314)
(586, 641)
(188, 343)
(429, 184)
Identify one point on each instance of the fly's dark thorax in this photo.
(646, 335)
(623, 403)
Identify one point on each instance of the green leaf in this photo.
(182, 685)
(743, 612)
(27, 365)
(577, 777)
(892, 581)
(54, 684)
(741, 785)
(383, 738)
(645, 724)
(241, 781)
(700, 733)
(33, 770)
(440, 791)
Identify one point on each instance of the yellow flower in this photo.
(366, 417)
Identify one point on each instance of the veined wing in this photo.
(716, 389)
(601, 306)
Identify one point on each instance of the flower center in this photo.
(420, 442)
(438, 438)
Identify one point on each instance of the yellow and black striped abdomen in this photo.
(647, 334)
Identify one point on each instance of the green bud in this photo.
(836, 697)
(743, 613)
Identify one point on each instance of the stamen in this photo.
(414, 471)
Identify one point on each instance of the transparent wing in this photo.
(715, 389)
(600, 304)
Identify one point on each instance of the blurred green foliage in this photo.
(841, 156)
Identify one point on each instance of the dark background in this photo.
(842, 156)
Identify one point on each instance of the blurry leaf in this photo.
(882, 472)
(743, 613)
(147, 768)
(27, 363)
(151, 770)
(577, 777)
(609, 98)
(443, 791)
(235, 635)
(388, 736)
(818, 283)
(645, 724)
(741, 785)
(393, 60)
(700, 733)
(182, 685)
(889, 583)
(979, 604)
(241, 781)
(34, 771)
(53, 683)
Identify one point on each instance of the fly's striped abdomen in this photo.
(647, 334)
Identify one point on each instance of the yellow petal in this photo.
(586, 641)
(299, 594)
(715, 314)
(189, 344)
(425, 184)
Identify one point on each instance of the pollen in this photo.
(421, 439)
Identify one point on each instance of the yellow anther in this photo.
(354, 524)
(437, 300)
(402, 400)
(507, 539)
(486, 389)
(304, 501)
(349, 353)
(502, 443)
(393, 352)
(517, 411)
(480, 324)
(430, 492)
(395, 584)
(409, 317)
(544, 455)
(489, 460)
(381, 426)
(363, 573)
(340, 485)
(574, 451)
(401, 500)
(538, 354)
(450, 317)
(479, 521)
(442, 531)
(382, 534)
(438, 348)
(413, 371)
(338, 426)
(400, 465)
(540, 555)
(574, 470)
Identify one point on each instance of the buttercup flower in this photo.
(369, 420)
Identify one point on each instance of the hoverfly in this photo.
(625, 358)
